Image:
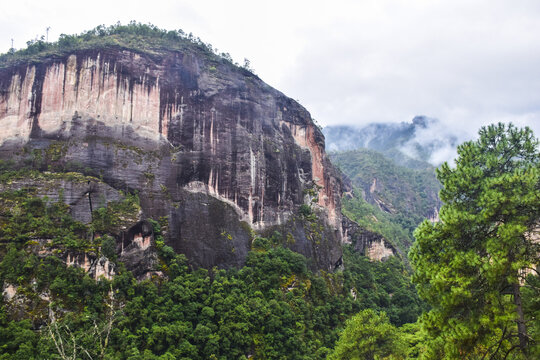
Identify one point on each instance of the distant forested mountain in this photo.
(410, 144)
(388, 198)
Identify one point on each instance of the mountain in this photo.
(411, 144)
(387, 198)
(394, 189)
(158, 201)
(390, 174)
(203, 142)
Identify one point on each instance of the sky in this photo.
(467, 63)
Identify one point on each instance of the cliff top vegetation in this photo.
(142, 38)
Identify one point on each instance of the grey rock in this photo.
(204, 143)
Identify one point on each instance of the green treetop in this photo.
(368, 336)
(470, 266)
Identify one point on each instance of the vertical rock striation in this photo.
(206, 144)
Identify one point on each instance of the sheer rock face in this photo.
(206, 144)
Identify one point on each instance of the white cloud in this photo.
(467, 63)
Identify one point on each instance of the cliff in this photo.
(205, 144)
(368, 243)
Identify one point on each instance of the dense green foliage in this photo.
(476, 269)
(372, 218)
(272, 308)
(470, 267)
(369, 336)
(26, 220)
(388, 199)
(409, 195)
(382, 286)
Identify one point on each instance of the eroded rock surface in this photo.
(206, 144)
(366, 242)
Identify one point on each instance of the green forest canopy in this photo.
(472, 266)
(272, 308)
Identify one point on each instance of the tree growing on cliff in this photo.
(470, 266)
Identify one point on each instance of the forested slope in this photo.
(273, 307)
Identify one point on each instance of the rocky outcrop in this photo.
(204, 143)
(96, 267)
(137, 249)
(366, 242)
(81, 193)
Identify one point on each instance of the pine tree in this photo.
(470, 266)
(369, 336)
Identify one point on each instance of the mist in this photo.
(424, 138)
(466, 63)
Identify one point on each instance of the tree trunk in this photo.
(522, 329)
